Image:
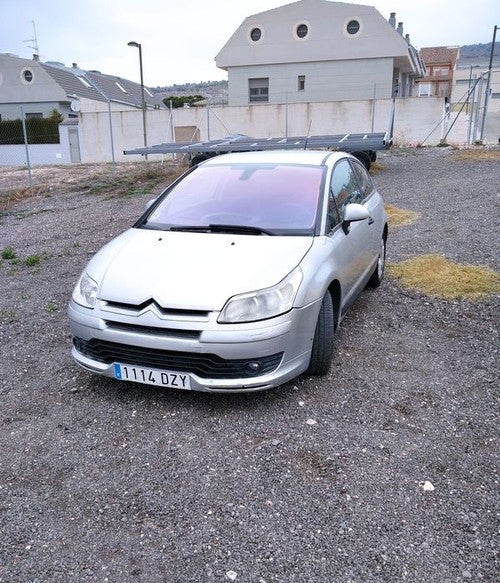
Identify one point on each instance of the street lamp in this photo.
(138, 45)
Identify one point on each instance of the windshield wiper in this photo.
(216, 228)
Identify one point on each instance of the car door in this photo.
(372, 201)
(351, 247)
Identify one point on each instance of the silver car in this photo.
(236, 276)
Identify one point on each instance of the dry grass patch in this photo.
(477, 155)
(398, 217)
(123, 179)
(376, 167)
(437, 276)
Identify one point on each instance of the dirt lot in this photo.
(384, 471)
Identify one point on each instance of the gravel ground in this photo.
(384, 471)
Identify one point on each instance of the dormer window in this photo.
(121, 87)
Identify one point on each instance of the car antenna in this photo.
(308, 134)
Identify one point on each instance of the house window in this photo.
(27, 76)
(32, 115)
(302, 30)
(258, 89)
(424, 89)
(255, 34)
(440, 71)
(353, 27)
(301, 82)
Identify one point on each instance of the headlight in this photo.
(264, 303)
(85, 291)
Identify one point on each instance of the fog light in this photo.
(254, 366)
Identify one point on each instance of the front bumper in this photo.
(282, 344)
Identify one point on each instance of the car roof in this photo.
(310, 157)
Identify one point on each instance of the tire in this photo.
(199, 158)
(321, 354)
(364, 158)
(378, 275)
(373, 155)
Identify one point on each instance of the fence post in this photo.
(25, 134)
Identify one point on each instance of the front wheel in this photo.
(378, 275)
(321, 354)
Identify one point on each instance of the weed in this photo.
(398, 217)
(8, 253)
(7, 314)
(437, 276)
(32, 260)
(51, 307)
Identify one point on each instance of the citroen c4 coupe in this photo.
(236, 276)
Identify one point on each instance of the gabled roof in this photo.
(440, 55)
(326, 40)
(98, 86)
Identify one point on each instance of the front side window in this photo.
(364, 179)
(344, 189)
(281, 198)
(258, 89)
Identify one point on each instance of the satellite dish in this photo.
(75, 106)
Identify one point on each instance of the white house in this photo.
(317, 51)
(36, 89)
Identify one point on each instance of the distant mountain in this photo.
(479, 54)
(479, 50)
(214, 92)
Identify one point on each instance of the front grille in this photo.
(152, 330)
(203, 365)
(137, 308)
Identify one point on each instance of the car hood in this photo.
(198, 271)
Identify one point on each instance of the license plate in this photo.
(151, 376)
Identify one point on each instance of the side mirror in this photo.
(353, 213)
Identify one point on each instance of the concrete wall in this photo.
(38, 154)
(332, 81)
(417, 121)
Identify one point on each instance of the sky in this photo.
(180, 38)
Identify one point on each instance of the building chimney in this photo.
(36, 57)
(400, 28)
(392, 20)
(74, 65)
(407, 37)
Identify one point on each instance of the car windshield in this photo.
(268, 198)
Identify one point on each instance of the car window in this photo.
(364, 179)
(344, 189)
(281, 198)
